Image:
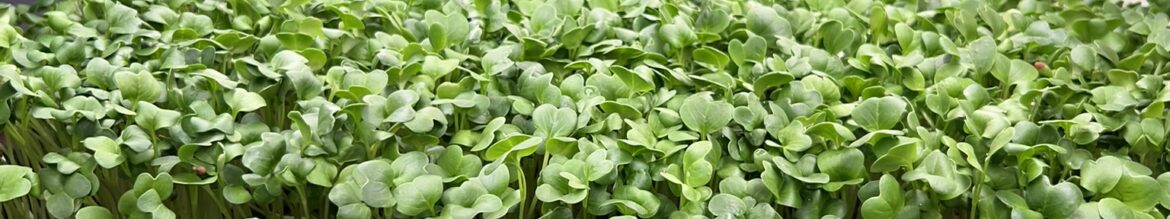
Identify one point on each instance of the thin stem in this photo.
(532, 206)
(854, 206)
(277, 207)
(257, 209)
(194, 198)
(324, 207)
(388, 212)
(975, 197)
(219, 204)
(523, 189)
(304, 200)
(7, 210)
(154, 143)
(585, 206)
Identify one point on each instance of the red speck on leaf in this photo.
(199, 170)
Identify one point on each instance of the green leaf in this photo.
(60, 205)
(1100, 176)
(1083, 56)
(139, 86)
(630, 200)
(1002, 139)
(408, 167)
(697, 168)
(1113, 208)
(497, 60)
(836, 37)
(435, 67)
(15, 181)
(106, 151)
(793, 137)
(843, 164)
(802, 170)
(551, 121)
(95, 212)
(1113, 98)
(437, 36)
(518, 145)
(726, 206)
(456, 24)
(241, 100)
(981, 54)
(678, 34)
(198, 23)
(323, 173)
(453, 164)
(579, 173)
(710, 58)
(940, 173)
(123, 20)
(399, 106)
(419, 195)
(1139, 192)
(304, 82)
(705, 115)
(556, 187)
(902, 154)
(424, 120)
(150, 201)
(342, 193)
(219, 78)
(640, 78)
(354, 211)
(1020, 72)
(236, 194)
(879, 113)
(78, 186)
(1054, 201)
(377, 194)
(764, 21)
(151, 117)
(888, 204)
(295, 41)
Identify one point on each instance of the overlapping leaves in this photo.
(570, 108)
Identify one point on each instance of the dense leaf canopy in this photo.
(584, 108)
